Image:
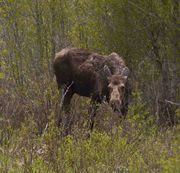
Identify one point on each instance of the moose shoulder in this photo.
(100, 77)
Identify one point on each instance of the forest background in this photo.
(144, 32)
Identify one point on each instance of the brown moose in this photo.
(89, 74)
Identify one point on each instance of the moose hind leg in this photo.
(66, 106)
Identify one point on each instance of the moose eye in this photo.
(121, 88)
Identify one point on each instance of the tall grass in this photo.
(30, 141)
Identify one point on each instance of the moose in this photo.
(89, 74)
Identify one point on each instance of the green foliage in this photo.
(29, 152)
(144, 32)
(134, 145)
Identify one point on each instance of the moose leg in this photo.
(123, 112)
(92, 113)
(96, 98)
(66, 108)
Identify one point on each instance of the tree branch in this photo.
(173, 103)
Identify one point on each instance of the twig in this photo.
(61, 102)
(64, 94)
(173, 103)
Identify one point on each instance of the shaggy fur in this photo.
(84, 71)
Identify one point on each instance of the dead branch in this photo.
(173, 103)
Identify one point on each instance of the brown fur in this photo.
(85, 71)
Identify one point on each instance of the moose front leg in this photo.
(95, 99)
(92, 114)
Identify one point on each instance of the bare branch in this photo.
(64, 94)
(173, 103)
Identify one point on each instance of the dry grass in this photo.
(31, 142)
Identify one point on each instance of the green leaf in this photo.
(1, 75)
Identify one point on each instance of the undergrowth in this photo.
(31, 142)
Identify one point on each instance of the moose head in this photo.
(116, 87)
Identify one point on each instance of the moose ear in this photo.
(125, 72)
(125, 77)
(107, 71)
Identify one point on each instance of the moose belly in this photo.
(85, 82)
(83, 89)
